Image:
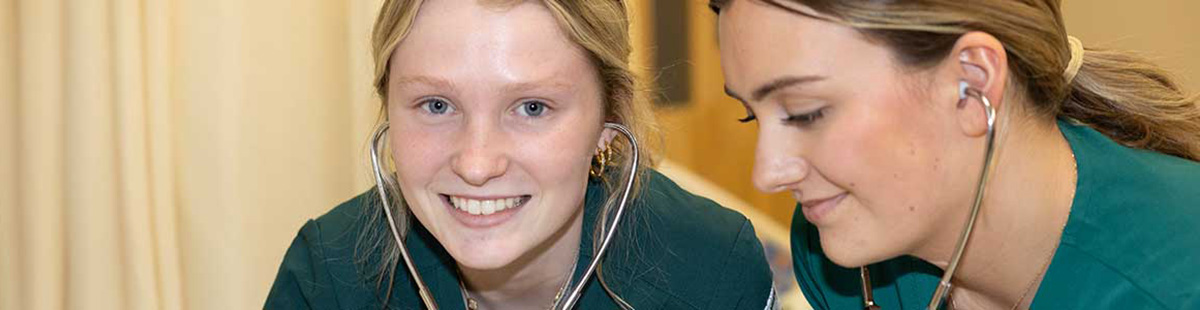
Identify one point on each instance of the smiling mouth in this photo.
(815, 210)
(476, 206)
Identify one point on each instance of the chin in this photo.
(493, 254)
(483, 263)
(851, 254)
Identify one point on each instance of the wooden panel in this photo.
(703, 134)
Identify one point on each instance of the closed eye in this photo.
(806, 119)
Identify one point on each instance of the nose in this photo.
(482, 155)
(777, 165)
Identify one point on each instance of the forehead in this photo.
(760, 42)
(460, 39)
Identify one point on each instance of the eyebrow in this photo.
(517, 87)
(420, 79)
(549, 84)
(777, 84)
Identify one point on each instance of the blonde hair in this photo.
(601, 27)
(1125, 97)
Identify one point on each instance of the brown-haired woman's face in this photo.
(857, 139)
(494, 114)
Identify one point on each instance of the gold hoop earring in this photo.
(600, 161)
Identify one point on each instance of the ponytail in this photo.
(1135, 103)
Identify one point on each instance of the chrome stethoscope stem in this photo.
(570, 299)
(943, 289)
(422, 289)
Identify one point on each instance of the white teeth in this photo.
(483, 207)
(488, 206)
(473, 206)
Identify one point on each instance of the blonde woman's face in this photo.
(495, 114)
(860, 143)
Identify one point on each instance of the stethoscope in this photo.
(943, 289)
(575, 293)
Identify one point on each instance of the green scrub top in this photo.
(673, 250)
(1132, 241)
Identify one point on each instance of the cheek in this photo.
(891, 168)
(414, 153)
(557, 158)
(417, 165)
(887, 158)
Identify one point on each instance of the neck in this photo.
(1026, 206)
(533, 280)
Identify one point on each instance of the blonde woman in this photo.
(505, 174)
(968, 154)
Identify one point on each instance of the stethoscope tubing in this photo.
(569, 301)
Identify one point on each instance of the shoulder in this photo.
(346, 220)
(692, 213)
(694, 224)
(335, 235)
(697, 252)
(1111, 174)
(1126, 232)
(320, 270)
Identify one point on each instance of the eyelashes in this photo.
(802, 120)
(749, 115)
(806, 119)
(747, 119)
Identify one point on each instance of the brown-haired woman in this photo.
(509, 128)
(970, 154)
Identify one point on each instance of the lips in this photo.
(483, 212)
(815, 210)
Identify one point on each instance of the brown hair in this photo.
(601, 27)
(1119, 94)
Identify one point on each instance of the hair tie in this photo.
(1076, 59)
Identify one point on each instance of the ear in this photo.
(982, 64)
(606, 137)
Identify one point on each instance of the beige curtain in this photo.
(161, 154)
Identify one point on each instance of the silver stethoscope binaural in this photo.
(570, 299)
(943, 289)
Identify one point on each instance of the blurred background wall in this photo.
(161, 154)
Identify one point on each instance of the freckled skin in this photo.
(486, 146)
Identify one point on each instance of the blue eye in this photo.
(532, 108)
(436, 106)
